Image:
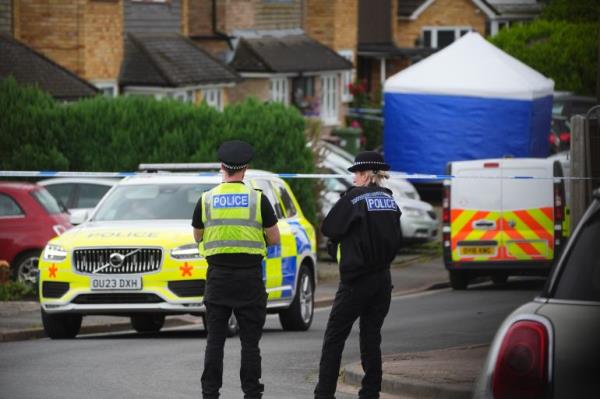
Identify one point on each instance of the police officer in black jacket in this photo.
(365, 224)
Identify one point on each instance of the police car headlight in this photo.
(414, 212)
(54, 253)
(188, 251)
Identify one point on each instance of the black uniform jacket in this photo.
(366, 223)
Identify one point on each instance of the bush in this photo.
(564, 51)
(117, 134)
(15, 290)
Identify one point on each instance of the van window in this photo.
(580, 278)
(62, 192)
(90, 195)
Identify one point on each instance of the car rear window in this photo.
(580, 277)
(47, 201)
(8, 207)
(90, 195)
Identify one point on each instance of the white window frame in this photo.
(330, 96)
(435, 29)
(279, 87)
(109, 89)
(347, 76)
(213, 97)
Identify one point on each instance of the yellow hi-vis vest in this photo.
(232, 220)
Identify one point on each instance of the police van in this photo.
(502, 217)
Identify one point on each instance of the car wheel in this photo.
(459, 280)
(25, 267)
(147, 323)
(499, 279)
(299, 316)
(61, 326)
(233, 327)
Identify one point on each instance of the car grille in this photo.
(116, 298)
(187, 288)
(143, 261)
(54, 289)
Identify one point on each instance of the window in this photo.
(90, 195)
(62, 192)
(212, 98)
(440, 37)
(265, 187)
(329, 99)
(347, 76)
(286, 199)
(580, 278)
(279, 90)
(107, 89)
(47, 201)
(303, 89)
(186, 96)
(8, 207)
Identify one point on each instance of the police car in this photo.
(135, 256)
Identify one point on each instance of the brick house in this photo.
(285, 50)
(28, 67)
(405, 31)
(131, 47)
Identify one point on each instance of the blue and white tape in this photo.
(415, 176)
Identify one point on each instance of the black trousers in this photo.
(368, 299)
(251, 320)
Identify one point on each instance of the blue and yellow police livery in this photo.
(136, 257)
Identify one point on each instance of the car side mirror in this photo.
(78, 217)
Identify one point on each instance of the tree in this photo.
(562, 44)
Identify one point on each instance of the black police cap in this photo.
(235, 154)
(368, 160)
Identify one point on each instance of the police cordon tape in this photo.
(414, 176)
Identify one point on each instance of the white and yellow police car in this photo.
(135, 256)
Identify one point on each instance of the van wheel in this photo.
(61, 326)
(499, 279)
(459, 280)
(147, 323)
(299, 316)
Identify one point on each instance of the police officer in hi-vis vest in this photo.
(365, 226)
(233, 221)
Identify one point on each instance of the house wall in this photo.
(333, 23)
(277, 14)
(54, 29)
(103, 40)
(200, 17)
(6, 16)
(440, 13)
(258, 88)
(152, 17)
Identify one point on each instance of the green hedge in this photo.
(116, 134)
(564, 51)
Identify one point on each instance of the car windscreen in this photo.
(151, 202)
(580, 276)
(47, 201)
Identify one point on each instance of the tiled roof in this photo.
(170, 60)
(286, 54)
(29, 67)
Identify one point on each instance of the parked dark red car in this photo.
(29, 217)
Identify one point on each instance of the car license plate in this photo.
(477, 251)
(116, 283)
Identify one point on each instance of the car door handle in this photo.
(483, 224)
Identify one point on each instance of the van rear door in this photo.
(475, 210)
(528, 209)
